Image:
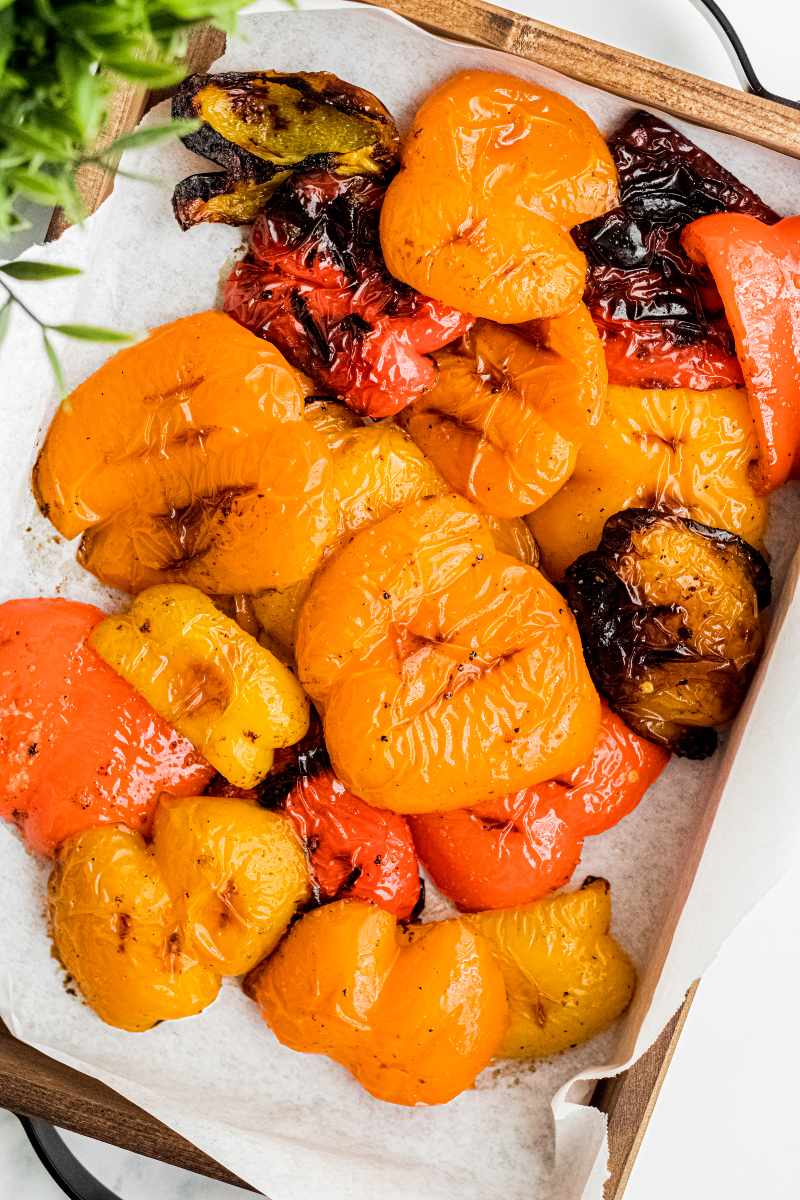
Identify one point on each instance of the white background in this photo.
(725, 1123)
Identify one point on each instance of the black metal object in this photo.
(61, 1164)
(739, 56)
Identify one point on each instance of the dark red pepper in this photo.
(314, 283)
(659, 314)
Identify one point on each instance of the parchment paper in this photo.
(296, 1126)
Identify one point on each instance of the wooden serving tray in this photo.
(38, 1086)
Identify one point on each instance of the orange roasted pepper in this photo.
(657, 448)
(509, 410)
(756, 268)
(495, 172)
(514, 850)
(446, 672)
(186, 459)
(414, 1012)
(78, 745)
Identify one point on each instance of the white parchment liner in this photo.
(706, 843)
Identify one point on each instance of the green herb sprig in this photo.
(58, 60)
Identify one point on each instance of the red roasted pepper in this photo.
(512, 851)
(314, 283)
(78, 746)
(756, 268)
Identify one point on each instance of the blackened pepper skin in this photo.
(659, 314)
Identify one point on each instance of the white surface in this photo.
(677, 34)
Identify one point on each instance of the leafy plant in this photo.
(58, 60)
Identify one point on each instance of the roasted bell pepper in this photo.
(756, 268)
(514, 850)
(659, 313)
(314, 283)
(228, 695)
(78, 746)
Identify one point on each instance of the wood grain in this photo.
(36, 1085)
(629, 75)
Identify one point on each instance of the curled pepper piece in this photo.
(498, 248)
(414, 1012)
(686, 451)
(659, 313)
(146, 931)
(566, 977)
(225, 692)
(505, 417)
(261, 126)
(756, 268)
(355, 850)
(78, 745)
(514, 850)
(669, 611)
(419, 636)
(315, 284)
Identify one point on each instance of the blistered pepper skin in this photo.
(494, 172)
(78, 746)
(566, 977)
(757, 271)
(512, 851)
(418, 638)
(232, 698)
(115, 933)
(505, 418)
(146, 931)
(687, 451)
(414, 1014)
(180, 453)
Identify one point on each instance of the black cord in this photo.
(61, 1164)
(739, 56)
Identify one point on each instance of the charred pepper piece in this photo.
(260, 126)
(660, 314)
(668, 610)
(315, 284)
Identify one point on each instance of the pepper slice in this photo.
(315, 285)
(78, 746)
(757, 271)
(511, 851)
(659, 313)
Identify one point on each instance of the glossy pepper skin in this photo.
(314, 283)
(147, 930)
(414, 1012)
(566, 977)
(506, 416)
(78, 745)
(686, 451)
(494, 172)
(419, 637)
(197, 667)
(658, 312)
(512, 851)
(757, 271)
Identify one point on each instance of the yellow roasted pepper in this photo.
(661, 448)
(566, 978)
(146, 931)
(212, 681)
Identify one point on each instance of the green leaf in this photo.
(29, 271)
(5, 318)
(149, 135)
(55, 365)
(93, 333)
(157, 74)
(44, 189)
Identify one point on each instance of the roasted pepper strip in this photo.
(227, 694)
(756, 268)
(514, 850)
